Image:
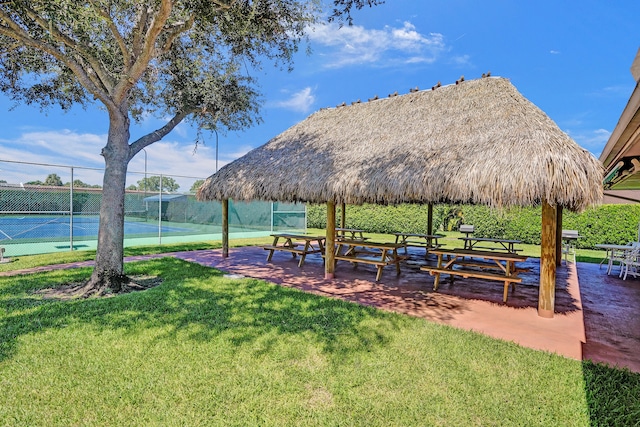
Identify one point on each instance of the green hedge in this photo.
(616, 224)
(379, 219)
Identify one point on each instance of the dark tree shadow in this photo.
(613, 395)
(245, 309)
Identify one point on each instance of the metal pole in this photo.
(145, 172)
(272, 212)
(216, 149)
(160, 213)
(71, 212)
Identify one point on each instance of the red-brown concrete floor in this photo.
(597, 319)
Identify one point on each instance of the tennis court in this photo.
(60, 226)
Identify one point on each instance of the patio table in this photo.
(614, 253)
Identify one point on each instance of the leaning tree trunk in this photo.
(108, 274)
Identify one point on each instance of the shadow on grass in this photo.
(195, 302)
(613, 395)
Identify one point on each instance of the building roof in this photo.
(166, 198)
(621, 154)
(478, 141)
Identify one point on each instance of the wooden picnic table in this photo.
(350, 234)
(504, 244)
(294, 243)
(474, 263)
(427, 241)
(361, 251)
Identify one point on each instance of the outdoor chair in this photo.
(631, 262)
(569, 238)
(619, 256)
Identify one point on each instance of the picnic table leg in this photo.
(304, 253)
(270, 255)
(436, 280)
(275, 242)
(506, 291)
(511, 268)
(379, 273)
(397, 261)
(321, 246)
(290, 244)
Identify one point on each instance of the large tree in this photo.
(152, 183)
(53, 179)
(181, 59)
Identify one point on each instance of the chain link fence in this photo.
(63, 212)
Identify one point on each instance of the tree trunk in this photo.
(108, 273)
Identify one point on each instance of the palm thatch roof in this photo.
(479, 141)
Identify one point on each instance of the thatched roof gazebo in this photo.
(478, 142)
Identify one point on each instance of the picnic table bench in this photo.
(297, 244)
(378, 254)
(427, 241)
(469, 265)
(350, 234)
(502, 244)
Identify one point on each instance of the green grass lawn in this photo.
(202, 349)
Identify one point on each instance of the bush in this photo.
(615, 224)
(411, 218)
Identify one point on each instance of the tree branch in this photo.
(225, 5)
(138, 31)
(157, 134)
(148, 49)
(126, 55)
(175, 32)
(104, 79)
(14, 31)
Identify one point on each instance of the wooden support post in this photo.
(330, 242)
(547, 294)
(559, 236)
(225, 228)
(430, 218)
(343, 215)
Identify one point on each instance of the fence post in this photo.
(71, 212)
(160, 212)
(272, 212)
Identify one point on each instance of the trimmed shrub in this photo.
(410, 218)
(615, 224)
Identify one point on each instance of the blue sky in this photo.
(571, 59)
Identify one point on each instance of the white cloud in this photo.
(66, 148)
(301, 101)
(351, 45)
(554, 52)
(57, 147)
(593, 140)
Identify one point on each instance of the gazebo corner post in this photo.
(343, 215)
(330, 242)
(547, 293)
(225, 228)
(558, 235)
(430, 218)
